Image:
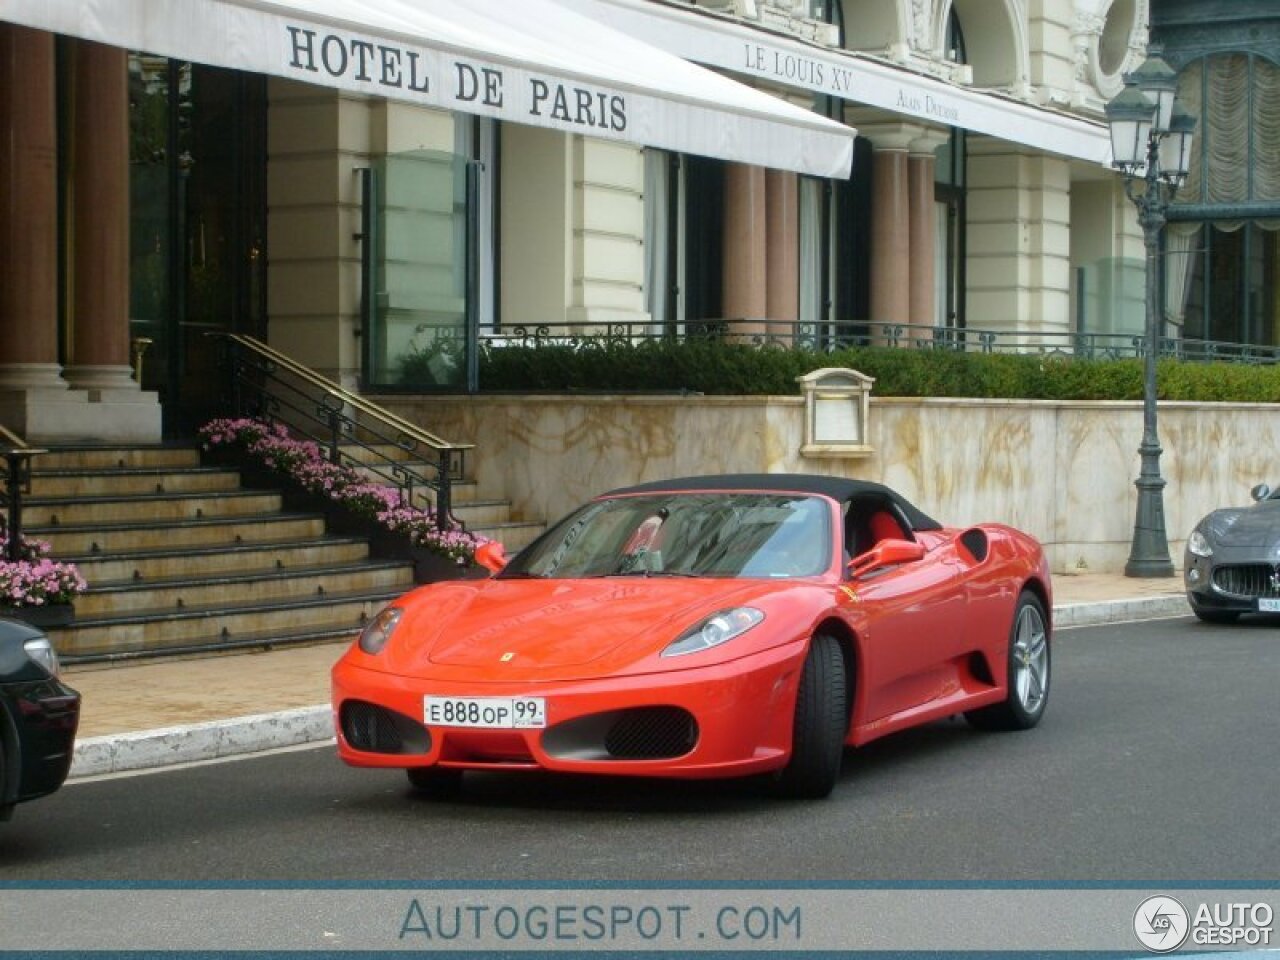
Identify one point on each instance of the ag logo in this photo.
(1161, 924)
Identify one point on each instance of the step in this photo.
(106, 458)
(127, 537)
(380, 452)
(42, 512)
(479, 513)
(241, 589)
(224, 558)
(208, 646)
(159, 629)
(385, 473)
(514, 535)
(131, 481)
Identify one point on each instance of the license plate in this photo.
(1268, 605)
(490, 713)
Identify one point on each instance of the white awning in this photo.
(741, 49)
(532, 61)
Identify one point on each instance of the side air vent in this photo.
(975, 541)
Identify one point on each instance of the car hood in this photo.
(1256, 526)
(519, 629)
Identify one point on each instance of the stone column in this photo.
(28, 222)
(890, 238)
(924, 255)
(783, 254)
(100, 219)
(745, 290)
(902, 264)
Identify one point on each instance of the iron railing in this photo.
(16, 457)
(269, 384)
(830, 337)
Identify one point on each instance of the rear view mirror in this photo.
(1260, 492)
(886, 553)
(492, 555)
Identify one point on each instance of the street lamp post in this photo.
(1151, 147)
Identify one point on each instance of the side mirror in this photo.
(492, 555)
(1260, 492)
(886, 553)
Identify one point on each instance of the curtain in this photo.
(811, 298)
(1181, 242)
(1227, 129)
(1190, 92)
(1235, 156)
(486, 219)
(1266, 136)
(941, 263)
(657, 232)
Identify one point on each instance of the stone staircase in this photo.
(180, 558)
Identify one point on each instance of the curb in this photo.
(146, 749)
(141, 750)
(1118, 611)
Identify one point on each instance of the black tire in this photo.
(435, 781)
(821, 719)
(1021, 709)
(1215, 616)
(6, 809)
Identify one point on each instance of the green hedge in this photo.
(715, 367)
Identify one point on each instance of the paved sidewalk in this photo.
(160, 712)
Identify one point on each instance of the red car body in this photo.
(916, 621)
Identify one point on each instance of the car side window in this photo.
(870, 519)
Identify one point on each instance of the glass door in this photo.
(198, 226)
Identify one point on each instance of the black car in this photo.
(1232, 563)
(38, 717)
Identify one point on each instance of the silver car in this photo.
(1232, 563)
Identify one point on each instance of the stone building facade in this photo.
(232, 195)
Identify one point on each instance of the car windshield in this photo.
(692, 534)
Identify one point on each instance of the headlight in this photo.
(1199, 545)
(378, 631)
(41, 651)
(715, 630)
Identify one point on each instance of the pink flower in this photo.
(304, 462)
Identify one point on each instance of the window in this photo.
(1223, 240)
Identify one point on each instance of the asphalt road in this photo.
(1158, 759)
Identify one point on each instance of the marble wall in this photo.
(1061, 471)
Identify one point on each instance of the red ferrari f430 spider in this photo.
(716, 626)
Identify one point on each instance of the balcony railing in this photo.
(832, 337)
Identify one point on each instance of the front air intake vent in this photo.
(651, 733)
(374, 729)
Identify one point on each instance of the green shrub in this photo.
(714, 366)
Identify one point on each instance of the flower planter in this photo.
(429, 566)
(49, 615)
(304, 471)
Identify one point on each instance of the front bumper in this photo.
(42, 717)
(1231, 582)
(739, 720)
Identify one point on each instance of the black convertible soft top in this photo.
(837, 488)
